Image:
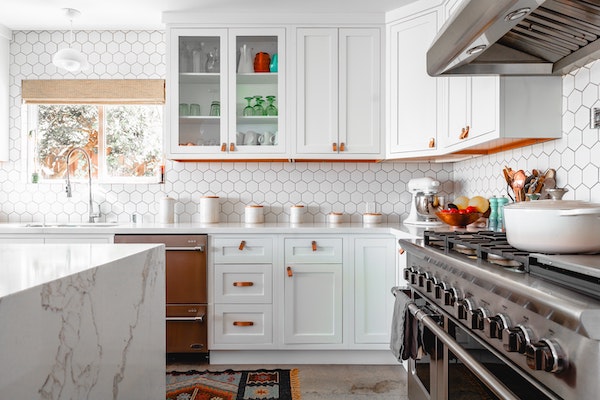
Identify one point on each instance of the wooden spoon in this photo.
(518, 183)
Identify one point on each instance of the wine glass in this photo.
(248, 110)
(258, 108)
(271, 109)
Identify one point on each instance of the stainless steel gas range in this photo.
(493, 322)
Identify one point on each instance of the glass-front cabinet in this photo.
(226, 94)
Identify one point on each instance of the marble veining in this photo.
(98, 333)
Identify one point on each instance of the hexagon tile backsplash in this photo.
(323, 187)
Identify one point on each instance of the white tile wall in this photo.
(323, 187)
(576, 157)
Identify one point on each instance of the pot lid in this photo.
(552, 205)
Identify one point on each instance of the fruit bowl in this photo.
(456, 219)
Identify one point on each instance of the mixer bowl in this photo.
(428, 204)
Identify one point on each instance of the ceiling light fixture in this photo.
(70, 59)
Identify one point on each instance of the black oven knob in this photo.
(422, 278)
(464, 307)
(439, 289)
(494, 326)
(430, 283)
(413, 277)
(477, 317)
(516, 339)
(450, 297)
(545, 355)
(407, 272)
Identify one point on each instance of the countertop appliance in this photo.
(517, 37)
(500, 323)
(186, 290)
(425, 202)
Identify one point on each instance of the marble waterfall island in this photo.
(82, 321)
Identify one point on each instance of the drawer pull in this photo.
(464, 133)
(240, 284)
(400, 250)
(242, 245)
(290, 273)
(243, 323)
(231, 147)
(224, 147)
(342, 147)
(314, 245)
(334, 145)
(196, 346)
(431, 143)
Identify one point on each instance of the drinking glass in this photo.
(215, 109)
(248, 110)
(271, 109)
(258, 108)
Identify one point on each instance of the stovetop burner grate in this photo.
(486, 245)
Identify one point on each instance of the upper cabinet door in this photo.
(338, 114)
(197, 114)
(317, 91)
(415, 98)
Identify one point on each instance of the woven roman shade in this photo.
(93, 91)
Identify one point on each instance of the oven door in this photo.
(472, 371)
(186, 329)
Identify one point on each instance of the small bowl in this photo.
(458, 219)
(371, 218)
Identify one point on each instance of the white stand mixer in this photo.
(425, 202)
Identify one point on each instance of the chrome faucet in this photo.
(91, 214)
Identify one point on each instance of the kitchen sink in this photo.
(70, 225)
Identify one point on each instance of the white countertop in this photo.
(23, 266)
(221, 228)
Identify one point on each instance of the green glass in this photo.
(258, 108)
(248, 110)
(271, 110)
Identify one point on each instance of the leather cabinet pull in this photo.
(334, 145)
(400, 250)
(242, 245)
(231, 147)
(464, 132)
(290, 273)
(431, 143)
(342, 147)
(224, 147)
(242, 284)
(314, 245)
(243, 323)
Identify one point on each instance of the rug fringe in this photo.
(295, 384)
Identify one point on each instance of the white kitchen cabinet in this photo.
(312, 300)
(4, 93)
(493, 111)
(21, 238)
(375, 273)
(339, 93)
(241, 291)
(198, 87)
(415, 99)
(56, 238)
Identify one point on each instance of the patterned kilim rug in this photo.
(277, 384)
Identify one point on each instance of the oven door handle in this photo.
(482, 373)
(199, 318)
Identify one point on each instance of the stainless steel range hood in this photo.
(517, 37)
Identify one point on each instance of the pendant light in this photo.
(70, 59)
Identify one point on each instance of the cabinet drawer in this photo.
(243, 324)
(313, 250)
(245, 250)
(243, 283)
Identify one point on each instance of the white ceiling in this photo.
(147, 14)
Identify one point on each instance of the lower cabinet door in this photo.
(186, 329)
(243, 324)
(313, 304)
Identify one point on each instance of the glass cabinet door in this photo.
(256, 92)
(199, 70)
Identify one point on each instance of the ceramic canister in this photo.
(209, 209)
(166, 213)
(297, 214)
(335, 218)
(254, 214)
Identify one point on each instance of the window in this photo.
(121, 134)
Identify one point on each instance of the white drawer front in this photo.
(239, 283)
(313, 250)
(243, 250)
(243, 324)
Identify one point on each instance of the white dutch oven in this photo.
(553, 226)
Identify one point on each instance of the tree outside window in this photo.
(124, 142)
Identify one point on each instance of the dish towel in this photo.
(397, 337)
